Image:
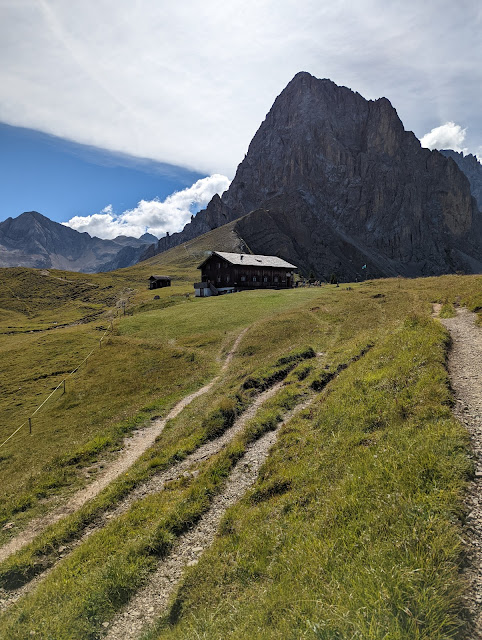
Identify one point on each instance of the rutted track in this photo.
(157, 482)
(190, 545)
(133, 447)
(152, 600)
(153, 485)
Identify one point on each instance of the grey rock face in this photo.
(332, 181)
(472, 169)
(32, 240)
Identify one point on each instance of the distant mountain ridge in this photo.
(33, 240)
(332, 182)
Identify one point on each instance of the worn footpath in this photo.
(465, 368)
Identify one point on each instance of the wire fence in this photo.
(61, 383)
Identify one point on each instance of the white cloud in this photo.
(188, 83)
(447, 136)
(153, 216)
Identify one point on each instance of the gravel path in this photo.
(134, 446)
(465, 368)
(151, 601)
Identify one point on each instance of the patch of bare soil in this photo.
(436, 307)
(134, 446)
(151, 601)
(465, 368)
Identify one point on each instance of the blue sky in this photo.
(62, 179)
(179, 89)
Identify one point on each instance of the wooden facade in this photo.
(235, 272)
(158, 282)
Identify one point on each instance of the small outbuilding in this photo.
(158, 282)
(205, 289)
(224, 272)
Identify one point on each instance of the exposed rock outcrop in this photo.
(332, 181)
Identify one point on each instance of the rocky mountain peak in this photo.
(335, 180)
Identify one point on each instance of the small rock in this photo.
(9, 525)
(105, 624)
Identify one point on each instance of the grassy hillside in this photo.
(352, 530)
(39, 299)
(158, 352)
(353, 526)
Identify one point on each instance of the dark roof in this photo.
(159, 277)
(251, 260)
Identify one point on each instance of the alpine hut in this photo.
(157, 282)
(224, 272)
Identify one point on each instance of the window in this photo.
(254, 278)
(275, 278)
(265, 279)
(227, 278)
(218, 265)
(243, 278)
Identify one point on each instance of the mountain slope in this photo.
(32, 240)
(345, 185)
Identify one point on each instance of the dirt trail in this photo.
(465, 368)
(153, 485)
(134, 446)
(211, 448)
(151, 601)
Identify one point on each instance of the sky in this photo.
(120, 116)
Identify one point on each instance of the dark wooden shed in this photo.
(158, 282)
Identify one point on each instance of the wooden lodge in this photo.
(158, 282)
(225, 272)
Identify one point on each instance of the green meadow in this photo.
(353, 529)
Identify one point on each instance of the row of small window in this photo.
(254, 279)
